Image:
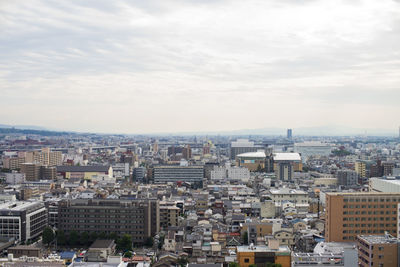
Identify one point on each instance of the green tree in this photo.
(48, 235)
(61, 239)
(102, 235)
(73, 239)
(85, 239)
(113, 236)
(128, 254)
(234, 264)
(124, 243)
(182, 261)
(245, 238)
(93, 237)
(253, 265)
(149, 242)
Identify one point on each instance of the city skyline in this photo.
(139, 67)
(323, 131)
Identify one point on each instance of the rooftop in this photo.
(287, 156)
(312, 144)
(17, 205)
(284, 249)
(287, 191)
(258, 154)
(98, 168)
(178, 167)
(378, 239)
(102, 243)
(22, 247)
(242, 143)
(362, 194)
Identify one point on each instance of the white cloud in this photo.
(158, 66)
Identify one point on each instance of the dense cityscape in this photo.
(199, 133)
(117, 200)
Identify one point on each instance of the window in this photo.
(246, 260)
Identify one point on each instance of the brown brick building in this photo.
(380, 251)
(361, 213)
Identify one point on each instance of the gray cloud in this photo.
(194, 60)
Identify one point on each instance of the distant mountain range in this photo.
(318, 131)
(303, 131)
(23, 127)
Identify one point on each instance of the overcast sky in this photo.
(199, 65)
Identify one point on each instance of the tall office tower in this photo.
(289, 134)
(360, 213)
(139, 218)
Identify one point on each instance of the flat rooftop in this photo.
(258, 154)
(17, 205)
(287, 191)
(378, 239)
(262, 249)
(361, 194)
(287, 157)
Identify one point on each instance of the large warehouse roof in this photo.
(287, 156)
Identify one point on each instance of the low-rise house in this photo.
(100, 250)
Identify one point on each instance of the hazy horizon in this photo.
(305, 131)
(200, 66)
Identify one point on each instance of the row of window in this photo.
(369, 206)
(100, 216)
(371, 199)
(369, 219)
(121, 210)
(370, 225)
(103, 221)
(83, 227)
(369, 212)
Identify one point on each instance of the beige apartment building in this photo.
(44, 157)
(169, 215)
(360, 168)
(361, 213)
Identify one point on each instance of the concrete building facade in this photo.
(361, 213)
(139, 218)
